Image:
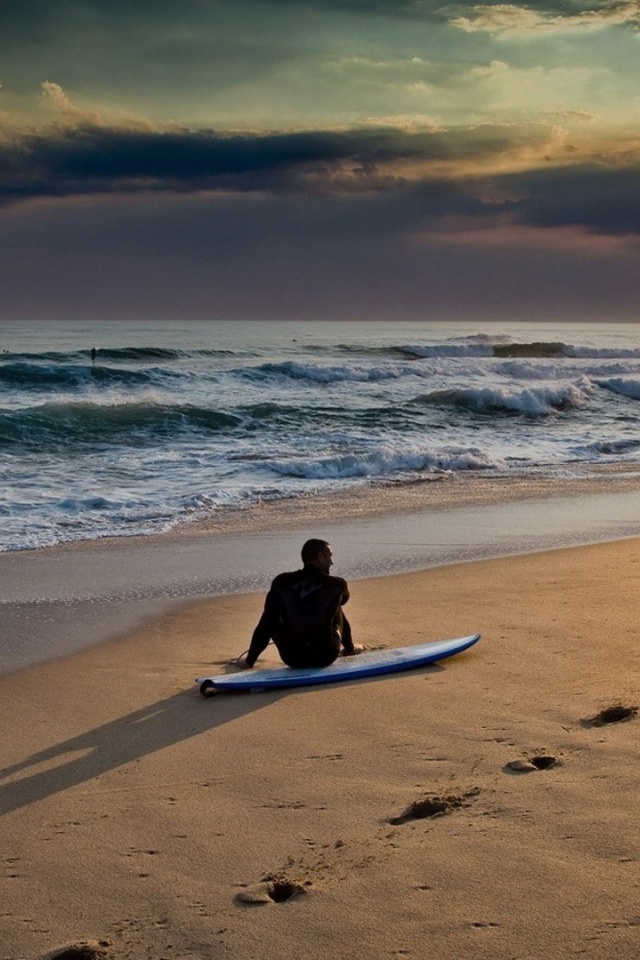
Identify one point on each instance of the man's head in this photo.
(318, 553)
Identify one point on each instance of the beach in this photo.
(475, 808)
(359, 273)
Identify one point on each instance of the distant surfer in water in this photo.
(303, 614)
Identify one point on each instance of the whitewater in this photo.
(120, 429)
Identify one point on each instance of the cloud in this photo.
(55, 100)
(536, 19)
(594, 198)
(96, 159)
(529, 174)
(86, 158)
(291, 63)
(392, 155)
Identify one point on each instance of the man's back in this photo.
(303, 616)
(308, 602)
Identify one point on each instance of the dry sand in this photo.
(146, 822)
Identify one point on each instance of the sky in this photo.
(320, 159)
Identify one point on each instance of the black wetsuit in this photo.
(303, 616)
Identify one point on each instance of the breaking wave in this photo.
(625, 387)
(386, 463)
(533, 402)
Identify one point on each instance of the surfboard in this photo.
(369, 664)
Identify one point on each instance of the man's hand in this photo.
(357, 648)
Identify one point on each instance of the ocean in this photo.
(118, 429)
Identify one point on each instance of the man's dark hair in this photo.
(311, 549)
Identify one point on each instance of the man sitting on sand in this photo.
(303, 614)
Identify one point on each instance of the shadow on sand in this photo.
(133, 736)
(129, 738)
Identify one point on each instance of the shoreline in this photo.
(441, 491)
(58, 600)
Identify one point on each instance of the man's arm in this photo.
(349, 648)
(262, 633)
(347, 640)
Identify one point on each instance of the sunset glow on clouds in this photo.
(320, 158)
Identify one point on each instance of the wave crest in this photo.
(61, 425)
(318, 373)
(38, 377)
(532, 401)
(623, 386)
(380, 464)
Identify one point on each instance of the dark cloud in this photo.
(598, 199)
(95, 159)
(591, 198)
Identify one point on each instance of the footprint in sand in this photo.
(271, 890)
(82, 950)
(540, 762)
(615, 714)
(434, 807)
